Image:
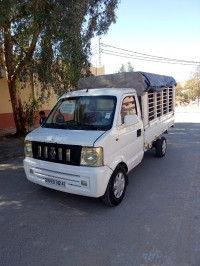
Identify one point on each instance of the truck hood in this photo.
(63, 136)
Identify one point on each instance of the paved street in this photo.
(158, 222)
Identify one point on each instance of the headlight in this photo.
(92, 156)
(28, 148)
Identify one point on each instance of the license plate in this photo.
(55, 182)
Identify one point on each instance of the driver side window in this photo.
(128, 107)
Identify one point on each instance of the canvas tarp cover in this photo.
(157, 82)
(140, 81)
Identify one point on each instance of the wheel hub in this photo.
(164, 147)
(119, 185)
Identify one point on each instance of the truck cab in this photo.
(83, 140)
(92, 139)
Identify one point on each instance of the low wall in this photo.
(7, 120)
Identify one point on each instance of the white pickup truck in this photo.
(95, 136)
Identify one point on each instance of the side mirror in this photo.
(130, 120)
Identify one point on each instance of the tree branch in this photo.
(38, 30)
(8, 49)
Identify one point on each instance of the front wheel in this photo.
(161, 147)
(116, 187)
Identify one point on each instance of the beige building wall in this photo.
(97, 71)
(6, 116)
(5, 103)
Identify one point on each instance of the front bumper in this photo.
(86, 181)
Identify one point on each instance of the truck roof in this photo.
(96, 92)
(140, 81)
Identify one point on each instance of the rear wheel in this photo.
(116, 187)
(161, 147)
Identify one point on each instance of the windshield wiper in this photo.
(96, 127)
(78, 126)
(53, 125)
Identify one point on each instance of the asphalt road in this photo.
(158, 222)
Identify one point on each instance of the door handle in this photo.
(139, 132)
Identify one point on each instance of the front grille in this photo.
(57, 153)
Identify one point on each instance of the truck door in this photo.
(131, 134)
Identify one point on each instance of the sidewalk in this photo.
(6, 132)
(11, 147)
(10, 132)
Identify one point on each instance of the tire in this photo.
(116, 188)
(161, 147)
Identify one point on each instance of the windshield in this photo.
(83, 113)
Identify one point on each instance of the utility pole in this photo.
(99, 51)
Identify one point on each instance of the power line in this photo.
(142, 58)
(111, 50)
(94, 46)
(151, 56)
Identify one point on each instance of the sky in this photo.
(169, 28)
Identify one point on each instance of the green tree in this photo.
(180, 99)
(49, 41)
(122, 69)
(130, 68)
(193, 86)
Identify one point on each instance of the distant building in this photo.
(97, 71)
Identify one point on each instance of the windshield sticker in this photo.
(67, 108)
(107, 116)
